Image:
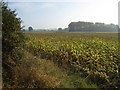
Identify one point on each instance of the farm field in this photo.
(94, 56)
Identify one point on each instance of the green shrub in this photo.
(12, 37)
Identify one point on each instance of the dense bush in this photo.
(12, 37)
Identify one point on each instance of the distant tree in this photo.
(59, 29)
(66, 29)
(23, 30)
(30, 28)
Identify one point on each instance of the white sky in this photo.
(59, 13)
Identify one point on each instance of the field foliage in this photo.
(93, 55)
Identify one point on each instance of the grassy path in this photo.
(44, 73)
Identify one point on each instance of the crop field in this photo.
(93, 55)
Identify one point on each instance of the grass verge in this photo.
(33, 72)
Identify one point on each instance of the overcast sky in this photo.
(59, 13)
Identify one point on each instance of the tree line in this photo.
(92, 27)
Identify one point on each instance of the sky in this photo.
(51, 14)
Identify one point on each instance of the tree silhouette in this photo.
(30, 28)
(59, 29)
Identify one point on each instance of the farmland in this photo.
(94, 56)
